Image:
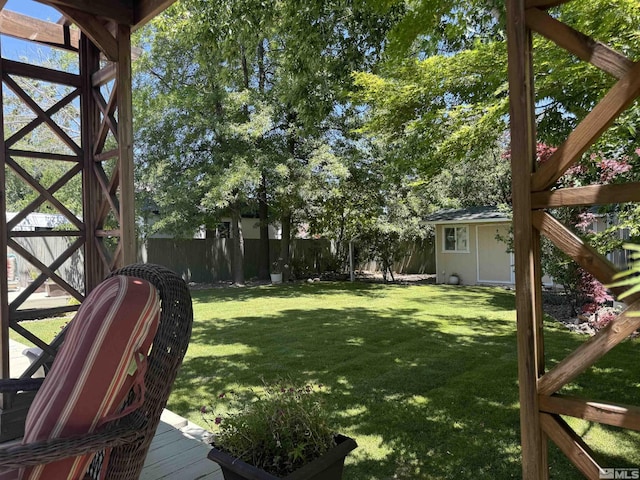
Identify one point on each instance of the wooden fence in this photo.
(209, 260)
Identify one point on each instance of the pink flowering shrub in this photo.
(595, 294)
(610, 169)
(603, 317)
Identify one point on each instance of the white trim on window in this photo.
(459, 236)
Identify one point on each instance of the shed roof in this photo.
(484, 214)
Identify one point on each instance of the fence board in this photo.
(209, 260)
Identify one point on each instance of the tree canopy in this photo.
(338, 113)
(446, 99)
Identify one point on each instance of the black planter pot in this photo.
(327, 467)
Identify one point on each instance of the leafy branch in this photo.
(631, 277)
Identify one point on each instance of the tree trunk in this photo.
(285, 244)
(263, 210)
(237, 247)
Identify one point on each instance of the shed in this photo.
(470, 242)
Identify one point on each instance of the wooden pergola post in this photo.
(534, 195)
(104, 232)
(4, 285)
(125, 146)
(527, 253)
(89, 65)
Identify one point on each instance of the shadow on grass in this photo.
(427, 403)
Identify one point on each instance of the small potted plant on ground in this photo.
(283, 433)
(454, 279)
(276, 271)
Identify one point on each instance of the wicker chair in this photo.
(130, 436)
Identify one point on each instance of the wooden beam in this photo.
(46, 233)
(5, 399)
(40, 73)
(623, 94)
(536, 297)
(623, 416)
(591, 350)
(39, 313)
(108, 155)
(125, 147)
(108, 192)
(45, 193)
(3, 3)
(108, 233)
(109, 122)
(54, 187)
(95, 30)
(41, 199)
(522, 127)
(89, 64)
(47, 271)
(103, 76)
(30, 336)
(105, 256)
(572, 445)
(32, 29)
(43, 155)
(117, 258)
(584, 47)
(586, 196)
(583, 254)
(120, 11)
(55, 343)
(145, 10)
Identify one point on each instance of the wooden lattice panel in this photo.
(535, 192)
(91, 157)
(99, 158)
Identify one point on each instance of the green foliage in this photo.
(282, 428)
(241, 91)
(471, 181)
(438, 110)
(441, 96)
(631, 277)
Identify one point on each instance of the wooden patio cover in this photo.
(98, 32)
(102, 43)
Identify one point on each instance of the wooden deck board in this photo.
(173, 454)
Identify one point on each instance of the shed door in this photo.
(495, 264)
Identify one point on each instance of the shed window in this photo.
(456, 239)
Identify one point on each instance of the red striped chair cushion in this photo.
(92, 373)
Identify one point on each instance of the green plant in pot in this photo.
(282, 433)
(276, 271)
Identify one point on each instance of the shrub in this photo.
(278, 431)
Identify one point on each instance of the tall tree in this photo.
(251, 91)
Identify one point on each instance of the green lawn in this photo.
(422, 376)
